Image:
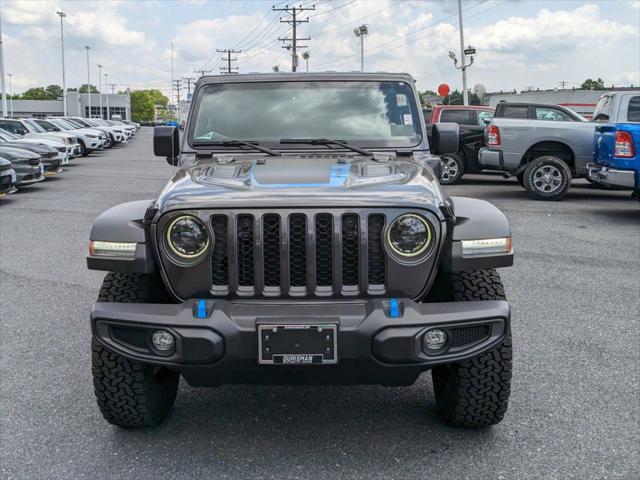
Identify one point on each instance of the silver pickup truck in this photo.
(544, 146)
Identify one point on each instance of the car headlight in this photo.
(187, 237)
(409, 235)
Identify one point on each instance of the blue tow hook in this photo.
(394, 308)
(201, 309)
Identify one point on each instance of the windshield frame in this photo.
(420, 143)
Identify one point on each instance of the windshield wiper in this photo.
(231, 143)
(326, 141)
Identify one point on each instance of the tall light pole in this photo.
(306, 56)
(64, 81)
(2, 86)
(361, 31)
(10, 96)
(100, 87)
(106, 85)
(87, 47)
(463, 55)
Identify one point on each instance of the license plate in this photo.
(298, 344)
(41, 169)
(13, 177)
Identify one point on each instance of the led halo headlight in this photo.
(187, 237)
(409, 235)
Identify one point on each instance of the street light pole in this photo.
(2, 86)
(64, 82)
(10, 96)
(100, 87)
(465, 94)
(87, 47)
(106, 85)
(361, 31)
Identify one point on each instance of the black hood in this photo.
(303, 180)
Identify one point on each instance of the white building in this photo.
(77, 106)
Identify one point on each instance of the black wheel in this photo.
(452, 169)
(131, 394)
(83, 149)
(475, 393)
(547, 178)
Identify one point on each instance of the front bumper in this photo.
(372, 347)
(74, 150)
(28, 174)
(51, 166)
(7, 180)
(612, 177)
(490, 159)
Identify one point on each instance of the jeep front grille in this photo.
(298, 254)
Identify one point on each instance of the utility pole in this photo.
(202, 72)
(177, 105)
(293, 46)
(10, 96)
(229, 69)
(171, 72)
(188, 80)
(100, 88)
(463, 54)
(87, 47)
(2, 86)
(64, 82)
(361, 31)
(562, 84)
(106, 86)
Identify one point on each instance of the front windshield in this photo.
(59, 124)
(37, 128)
(8, 136)
(367, 113)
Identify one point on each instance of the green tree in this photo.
(456, 98)
(54, 91)
(590, 84)
(83, 88)
(36, 93)
(142, 106)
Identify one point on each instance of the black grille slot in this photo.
(271, 249)
(350, 246)
(220, 254)
(130, 336)
(376, 250)
(298, 250)
(245, 251)
(464, 336)
(324, 250)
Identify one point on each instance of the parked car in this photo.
(543, 146)
(288, 256)
(48, 155)
(116, 135)
(617, 141)
(472, 121)
(27, 165)
(12, 140)
(30, 129)
(89, 140)
(7, 177)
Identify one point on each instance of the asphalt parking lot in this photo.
(575, 406)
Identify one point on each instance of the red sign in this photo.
(443, 89)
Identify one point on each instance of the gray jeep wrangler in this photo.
(304, 238)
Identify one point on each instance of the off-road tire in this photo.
(475, 393)
(559, 176)
(131, 394)
(451, 169)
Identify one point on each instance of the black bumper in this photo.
(372, 347)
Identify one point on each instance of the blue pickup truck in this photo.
(617, 141)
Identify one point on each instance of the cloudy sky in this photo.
(519, 43)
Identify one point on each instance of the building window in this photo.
(96, 113)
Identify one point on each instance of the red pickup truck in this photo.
(471, 119)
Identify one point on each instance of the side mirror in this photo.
(166, 143)
(21, 131)
(487, 120)
(444, 138)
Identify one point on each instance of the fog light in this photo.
(162, 340)
(434, 340)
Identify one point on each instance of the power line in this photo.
(293, 41)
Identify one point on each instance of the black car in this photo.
(27, 165)
(311, 245)
(7, 177)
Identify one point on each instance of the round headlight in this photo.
(409, 235)
(187, 237)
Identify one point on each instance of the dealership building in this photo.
(77, 106)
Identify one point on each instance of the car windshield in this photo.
(59, 124)
(34, 125)
(367, 113)
(8, 136)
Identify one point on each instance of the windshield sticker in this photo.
(401, 100)
(407, 119)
